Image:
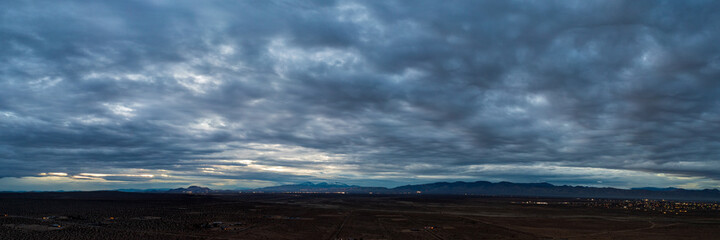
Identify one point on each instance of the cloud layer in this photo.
(156, 93)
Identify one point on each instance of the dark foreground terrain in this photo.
(116, 215)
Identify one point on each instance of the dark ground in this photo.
(127, 216)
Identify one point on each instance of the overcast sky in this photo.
(237, 94)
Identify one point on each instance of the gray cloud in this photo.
(371, 92)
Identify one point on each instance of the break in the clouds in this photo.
(115, 94)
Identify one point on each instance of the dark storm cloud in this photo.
(382, 89)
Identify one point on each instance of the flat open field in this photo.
(127, 216)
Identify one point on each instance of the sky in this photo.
(243, 94)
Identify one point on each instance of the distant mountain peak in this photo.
(192, 189)
(317, 187)
(321, 184)
(656, 189)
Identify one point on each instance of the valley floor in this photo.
(127, 216)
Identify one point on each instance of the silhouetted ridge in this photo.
(319, 187)
(549, 190)
(484, 188)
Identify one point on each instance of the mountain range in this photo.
(478, 188)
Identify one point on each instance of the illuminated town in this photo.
(643, 205)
